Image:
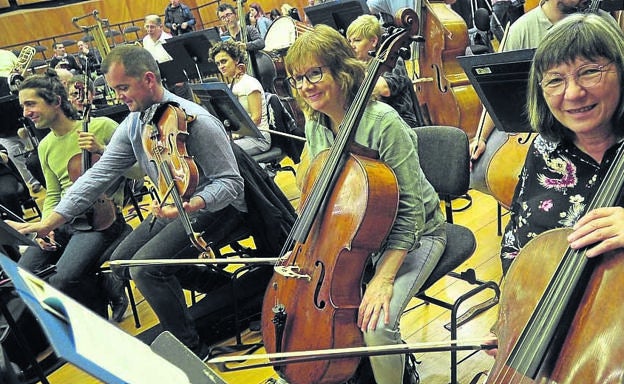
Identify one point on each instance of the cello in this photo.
(566, 325)
(103, 212)
(346, 214)
(444, 89)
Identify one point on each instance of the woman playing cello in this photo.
(571, 178)
(325, 87)
(575, 104)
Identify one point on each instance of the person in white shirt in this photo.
(153, 42)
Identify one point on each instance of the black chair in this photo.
(269, 220)
(282, 146)
(444, 158)
(132, 29)
(103, 271)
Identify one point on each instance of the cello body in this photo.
(592, 350)
(505, 166)
(321, 312)
(444, 89)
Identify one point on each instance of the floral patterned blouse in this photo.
(556, 185)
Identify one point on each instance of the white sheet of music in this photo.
(103, 343)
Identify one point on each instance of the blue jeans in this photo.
(160, 284)
(76, 261)
(412, 274)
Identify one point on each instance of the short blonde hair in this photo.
(365, 26)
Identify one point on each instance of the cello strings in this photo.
(321, 185)
(572, 266)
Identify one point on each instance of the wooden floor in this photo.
(420, 322)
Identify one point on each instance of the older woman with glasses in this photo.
(325, 86)
(575, 103)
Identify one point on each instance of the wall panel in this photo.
(43, 24)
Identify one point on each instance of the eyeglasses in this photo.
(313, 75)
(226, 16)
(587, 76)
(74, 95)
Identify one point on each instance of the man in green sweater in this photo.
(75, 247)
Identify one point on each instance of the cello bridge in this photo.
(291, 271)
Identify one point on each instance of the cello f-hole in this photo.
(439, 79)
(320, 304)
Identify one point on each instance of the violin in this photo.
(349, 205)
(164, 140)
(103, 213)
(560, 315)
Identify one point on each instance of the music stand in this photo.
(219, 100)
(190, 56)
(9, 236)
(500, 80)
(337, 14)
(10, 111)
(69, 327)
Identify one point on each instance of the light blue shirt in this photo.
(220, 183)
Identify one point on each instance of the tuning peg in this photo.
(404, 53)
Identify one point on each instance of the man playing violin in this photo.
(214, 209)
(74, 247)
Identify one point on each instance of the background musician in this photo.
(90, 58)
(179, 18)
(258, 19)
(229, 58)
(8, 61)
(62, 59)
(229, 17)
(393, 88)
(45, 103)
(575, 103)
(216, 206)
(525, 33)
(153, 41)
(325, 86)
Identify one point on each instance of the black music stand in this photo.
(11, 112)
(190, 56)
(219, 100)
(69, 327)
(9, 236)
(337, 14)
(500, 80)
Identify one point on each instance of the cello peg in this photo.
(405, 53)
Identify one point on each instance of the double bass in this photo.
(443, 88)
(349, 207)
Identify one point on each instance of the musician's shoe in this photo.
(410, 375)
(201, 350)
(119, 306)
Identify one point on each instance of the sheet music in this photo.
(101, 342)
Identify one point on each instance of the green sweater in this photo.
(383, 130)
(55, 153)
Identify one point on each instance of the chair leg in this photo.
(133, 306)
